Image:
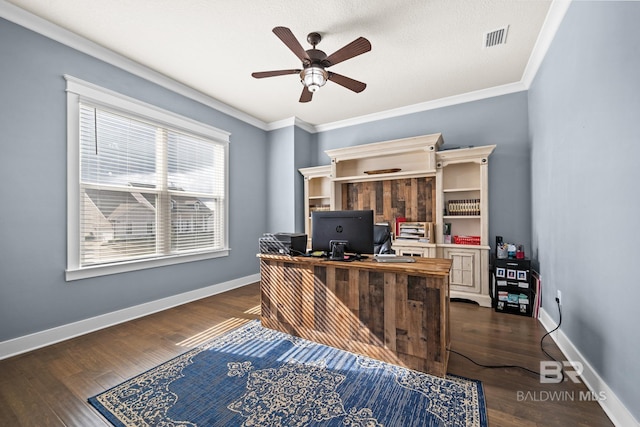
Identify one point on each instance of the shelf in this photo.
(413, 242)
(460, 190)
(455, 246)
(318, 197)
(383, 176)
(461, 217)
(410, 157)
(323, 207)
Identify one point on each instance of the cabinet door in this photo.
(465, 269)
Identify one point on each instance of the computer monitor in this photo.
(354, 229)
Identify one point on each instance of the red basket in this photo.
(466, 240)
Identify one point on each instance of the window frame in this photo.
(81, 91)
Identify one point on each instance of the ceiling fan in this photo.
(313, 74)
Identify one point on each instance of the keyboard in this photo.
(393, 259)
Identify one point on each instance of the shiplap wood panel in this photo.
(396, 313)
(411, 198)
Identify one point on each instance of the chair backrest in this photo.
(381, 239)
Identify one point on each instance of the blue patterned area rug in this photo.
(253, 376)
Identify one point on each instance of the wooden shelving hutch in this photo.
(462, 177)
(412, 179)
(317, 193)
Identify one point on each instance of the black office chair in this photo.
(382, 239)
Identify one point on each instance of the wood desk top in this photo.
(422, 266)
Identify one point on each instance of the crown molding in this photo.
(402, 111)
(54, 32)
(279, 124)
(425, 106)
(305, 126)
(555, 15)
(291, 121)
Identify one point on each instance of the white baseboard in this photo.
(47, 337)
(613, 407)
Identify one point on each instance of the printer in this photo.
(293, 244)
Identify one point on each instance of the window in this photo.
(146, 187)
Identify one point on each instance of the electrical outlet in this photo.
(559, 297)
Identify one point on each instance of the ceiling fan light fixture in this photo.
(313, 78)
(313, 74)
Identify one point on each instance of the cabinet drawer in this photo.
(514, 264)
(513, 273)
(509, 284)
(410, 248)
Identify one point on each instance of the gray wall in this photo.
(289, 149)
(305, 147)
(33, 293)
(281, 180)
(500, 120)
(584, 125)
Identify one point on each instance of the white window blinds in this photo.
(146, 190)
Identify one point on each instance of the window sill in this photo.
(123, 267)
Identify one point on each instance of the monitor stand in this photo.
(337, 250)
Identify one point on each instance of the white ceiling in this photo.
(422, 50)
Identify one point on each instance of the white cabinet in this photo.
(400, 158)
(317, 193)
(462, 185)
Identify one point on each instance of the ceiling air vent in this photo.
(496, 37)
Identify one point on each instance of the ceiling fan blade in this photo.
(306, 95)
(347, 82)
(292, 43)
(263, 74)
(355, 48)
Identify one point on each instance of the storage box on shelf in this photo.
(466, 240)
(514, 292)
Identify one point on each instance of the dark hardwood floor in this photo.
(50, 386)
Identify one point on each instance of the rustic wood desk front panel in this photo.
(398, 313)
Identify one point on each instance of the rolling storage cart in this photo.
(514, 292)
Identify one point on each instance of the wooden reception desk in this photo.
(394, 312)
